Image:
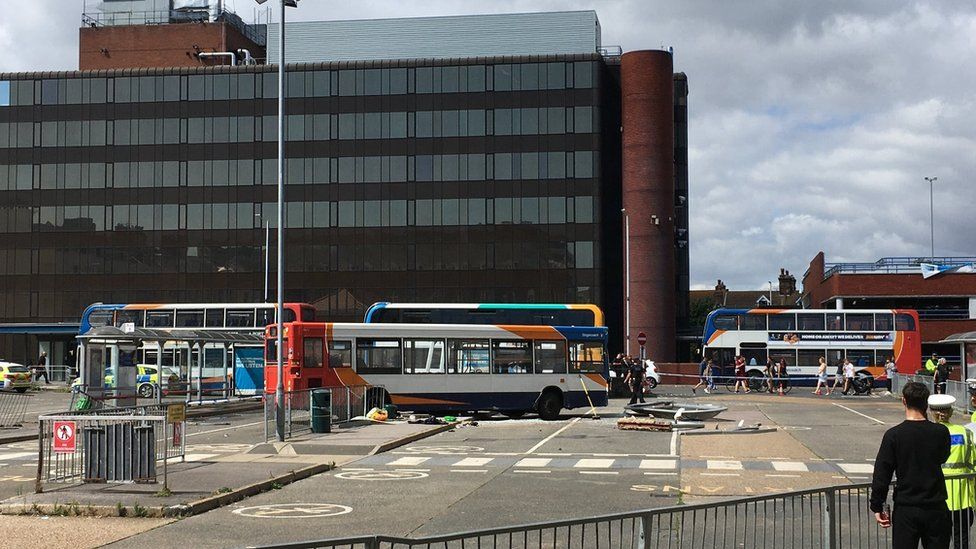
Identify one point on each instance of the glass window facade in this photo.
(420, 182)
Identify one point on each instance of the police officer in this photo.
(962, 455)
(635, 379)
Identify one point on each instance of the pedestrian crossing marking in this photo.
(593, 463)
(727, 465)
(794, 466)
(854, 468)
(409, 461)
(472, 462)
(533, 462)
(658, 464)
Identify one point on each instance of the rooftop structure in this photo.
(456, 36)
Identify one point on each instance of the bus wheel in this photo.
(549, 405)
(513, 414)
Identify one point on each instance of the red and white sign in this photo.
(177, 434)
(641, 339)
(65, 437)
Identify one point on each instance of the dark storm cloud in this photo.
(812, 123)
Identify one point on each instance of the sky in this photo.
(811, 124)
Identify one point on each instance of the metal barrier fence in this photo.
(831, 517)
(101, 445)
(13, 409)
(958, 389)
(347, 403)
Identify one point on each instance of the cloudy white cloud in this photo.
(811, 124)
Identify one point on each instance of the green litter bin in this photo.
(321, 410)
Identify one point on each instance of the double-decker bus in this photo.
(449, 367)
(525, 314)
(801, 336)
(246, 363)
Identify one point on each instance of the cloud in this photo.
(811, 124)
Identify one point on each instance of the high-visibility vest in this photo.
(972, 418)
(961, 492)
(930, 365)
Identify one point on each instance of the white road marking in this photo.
(408, 461)
(662, 474)
(224, 429)
(502, 454)
(472, 462)
(594, 463)
(611, 455)
(790, 466)
(533, 462)
(728, 465)
(855, 468)
(876, 420)
(659, 464)
(782, 476)
(674, 443)
(552, 436)
(17, 455)
(412, 470)
(199, 457)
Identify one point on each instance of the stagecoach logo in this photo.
(798, 337)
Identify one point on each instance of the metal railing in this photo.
(125, 17)
(830, 517)
(59, 466)
(958, 389)
(891, 265)
(13, 409)
(347, 403)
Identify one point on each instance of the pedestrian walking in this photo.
(838, 377)
(770, 373)
(821, 377)
(891, 370)
(782, 376)
(40, 369)
(962, 454)
(702, 377)
(740, 374)
(710, 376)
(848, 375)
(914, 451)
(635, 379)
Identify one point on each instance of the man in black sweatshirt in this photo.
(914, 450)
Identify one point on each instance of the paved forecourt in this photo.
(504, 472)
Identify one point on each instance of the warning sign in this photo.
(176, 413)
(64, 437)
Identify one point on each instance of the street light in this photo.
(932, 181)
(280, 311)
(267, 252)
(627, 270)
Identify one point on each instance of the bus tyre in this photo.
(549, 405)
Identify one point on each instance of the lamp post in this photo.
(932, 181)
(627, 271)
(267, 252)
(280, 310)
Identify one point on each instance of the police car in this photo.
(14, 376)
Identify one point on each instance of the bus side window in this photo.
(423, 356)
(468, 356)
(725, 322)
(340, 354)
(312, 352)
(214, 317)
(378, 356)
(586, 357)
(511, 357)
(883, 322)
(550, 357)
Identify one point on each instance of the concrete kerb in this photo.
(75, 508)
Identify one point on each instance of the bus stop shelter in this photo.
(109, 342)
(967, 352)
